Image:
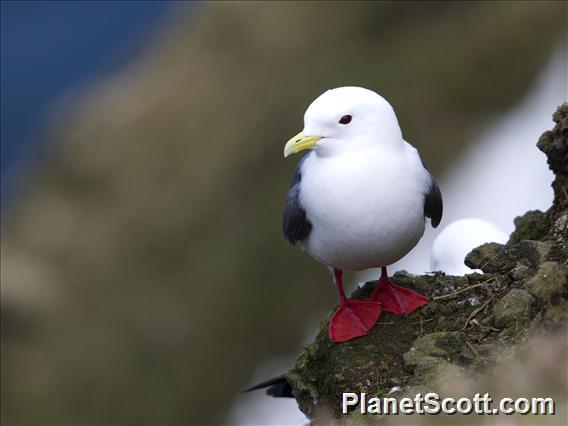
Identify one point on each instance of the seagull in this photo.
(457, 239)
(359, 199)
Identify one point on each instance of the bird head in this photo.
(344, 120)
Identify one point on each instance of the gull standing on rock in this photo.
(358, 200)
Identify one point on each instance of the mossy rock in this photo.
(550, 286)
(533, 225)
(493, 258)
(442, 344)
(553, 144)
(437, 373)
(536, 252)
(514, 311)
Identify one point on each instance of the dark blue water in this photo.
(50, 47)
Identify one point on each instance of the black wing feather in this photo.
(433, 205)
(277, 387)
(295, 223)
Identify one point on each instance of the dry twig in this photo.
(476, 311)
(461, 290)
(472, 348)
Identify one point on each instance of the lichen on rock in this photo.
(533, 225)
(550, 286)
(441, 344)
(473, 324)
(514, 311)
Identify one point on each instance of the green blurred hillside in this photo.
(145, 276)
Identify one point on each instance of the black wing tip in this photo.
(435, 222)
(266, 383)
(433, 204)
(277, 387)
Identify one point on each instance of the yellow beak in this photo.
(299, 143)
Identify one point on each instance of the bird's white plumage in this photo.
(363, 187)
(456, 240)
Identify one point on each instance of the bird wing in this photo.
(433, 205)
(295, 223)
(277, 387)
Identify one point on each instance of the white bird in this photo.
(457, 239)
(358, 200)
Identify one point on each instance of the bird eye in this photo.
(346, 119)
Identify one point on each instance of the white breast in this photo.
(366, 207)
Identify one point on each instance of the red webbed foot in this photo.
(353, 318)
(395, 299)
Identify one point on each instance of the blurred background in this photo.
(144, 276)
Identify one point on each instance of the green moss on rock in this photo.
(442, 344)
(492, 257)
(533, 225)
(435, 372)
(553, 144)
(536, 252)
(514, 311)
(550, 286)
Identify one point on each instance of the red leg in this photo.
(395, 299)
(353, 318)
